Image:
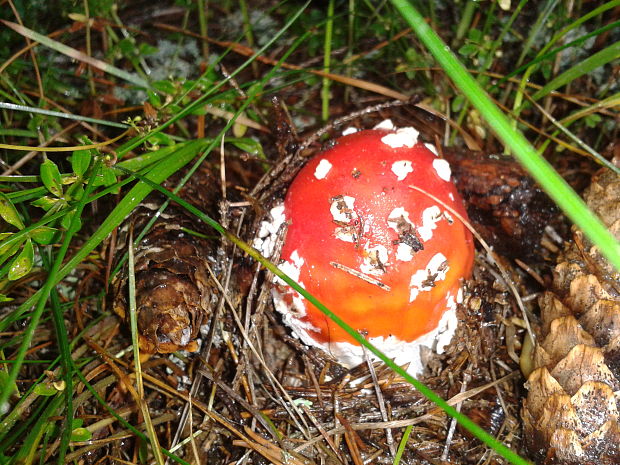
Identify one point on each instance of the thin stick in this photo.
(362, 276)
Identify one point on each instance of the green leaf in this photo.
(165, 86)
(128, 47)
(70, 179)
(22, 264)
(81, 435)
(65, 222)
(160, 138)
(45, 390)
(80, 161)
(146, 49)
(50, 175)
(43, 235)
(249, 145)
(75, 191)
(7, 250)
(468, 50)
(154, 99)
(9, 213)
(475, 35)
(105, 178)
(4, 298)
(45, 202)
(593, 120)
(457, 103)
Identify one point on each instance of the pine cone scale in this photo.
(571, 412)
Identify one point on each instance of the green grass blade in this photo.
(130, 201)
(551, 53)
(600, 58)
(214, 90)
(60, 114)
(67, 372)
(76, 54)
(26, 454)
(539, 168)
(402, 445)
(579, 21)
(124, 422)
(462, 419)
(45, 291)
(327, 55)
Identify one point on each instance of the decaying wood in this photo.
(503, 202)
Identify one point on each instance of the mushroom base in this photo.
(351, 355)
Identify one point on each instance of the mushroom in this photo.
(382, 255)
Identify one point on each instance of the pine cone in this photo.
(571, 412)
(173, 286)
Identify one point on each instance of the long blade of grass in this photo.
(402, 445)
(67, 368)
(162, 171)
(600, 58)
(214, 90)
(462, 419)
(541, 20)
(133, 322)
(551, 53)
(539, 168)
(327, 56)
(47, 286)
(122, 421)
(76, 54)
(29, 448)
(578, 22)
(59, 114)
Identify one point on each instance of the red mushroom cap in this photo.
(383, 256)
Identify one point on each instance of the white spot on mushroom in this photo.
(403, 137)
(397, 217)
(322, 169)
(399, 221)
(404, 252)
(401, 169)
(430, 218)
(424, 280)
(341, 208)
(345, 235)
(432, 148)
(375, 260)
(349, 130)
(345, 217)
(442, 167)
(385, 124)
(451, 196)
(291, 268)
(268, 231)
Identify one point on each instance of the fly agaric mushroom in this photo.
(383, 256)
